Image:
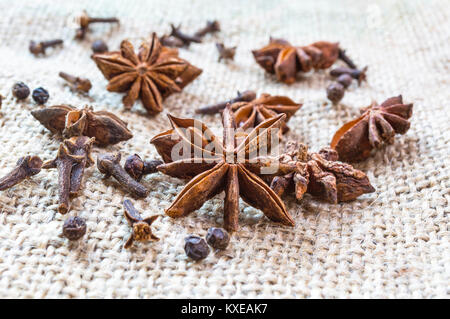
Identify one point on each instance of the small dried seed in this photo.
(40, 95)
(99, 46)
(196, 247)
(217, 238)
(74, 228)
(20, 91)
(335, 92)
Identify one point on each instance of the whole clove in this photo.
(20, 91)
(187, 39)
(335, 92)
(359, 75)
(211, 27)
(246, 96)
(84, 21)
(40, 95)
(38, 48)
(345, 80)
(79, 146)
(74, 228)
(225, 53)
(109, 164)
(141, 230)
(344, 57)
(77, 83)
(64, 162)
(171, 41)
(136, 167)
(99, 46)
(25, 167)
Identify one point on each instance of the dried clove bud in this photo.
(25, 167)
(37, 48)
(63, 162)
(79, 146)
(187, 39)
(74, 228)
(84, 20)
(343, 56)
(137, 168)
(225, 53)
(246, 96)
(20, 91)
(345, 80)
(99, 46)
(211, 27)
(141, 230)
(109, 165)
(335, 92)
(217, 238)
(171, 41)
(196, 247)
(359, 75)
(106, 127)
(77, 83)
(40, 95)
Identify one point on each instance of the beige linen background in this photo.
(392, 243)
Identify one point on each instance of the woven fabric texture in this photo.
(393, 243)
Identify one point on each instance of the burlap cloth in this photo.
(392, 243)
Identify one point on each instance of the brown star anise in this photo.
(151, 75)
(68, 121)
(220, 169)
(321, 175)
(355, 140)
(251, 114)
(285, 60)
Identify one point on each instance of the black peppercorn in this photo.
(335, 92)
(74, 228)
(196, 247)
(40, 95)
(99, 46)
(217, 238)
(20, 91)
(345, 80)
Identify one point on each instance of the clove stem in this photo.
(245, 96)
(25, 167)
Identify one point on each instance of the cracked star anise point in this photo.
(378, 124)
(151, 75)
(221, 172)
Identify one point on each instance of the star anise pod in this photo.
(220, 169)
(285, 60)
(68, 121)
(251, 114)
(250, 111)
(151, 75)
(355, 140)
(321, 175)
